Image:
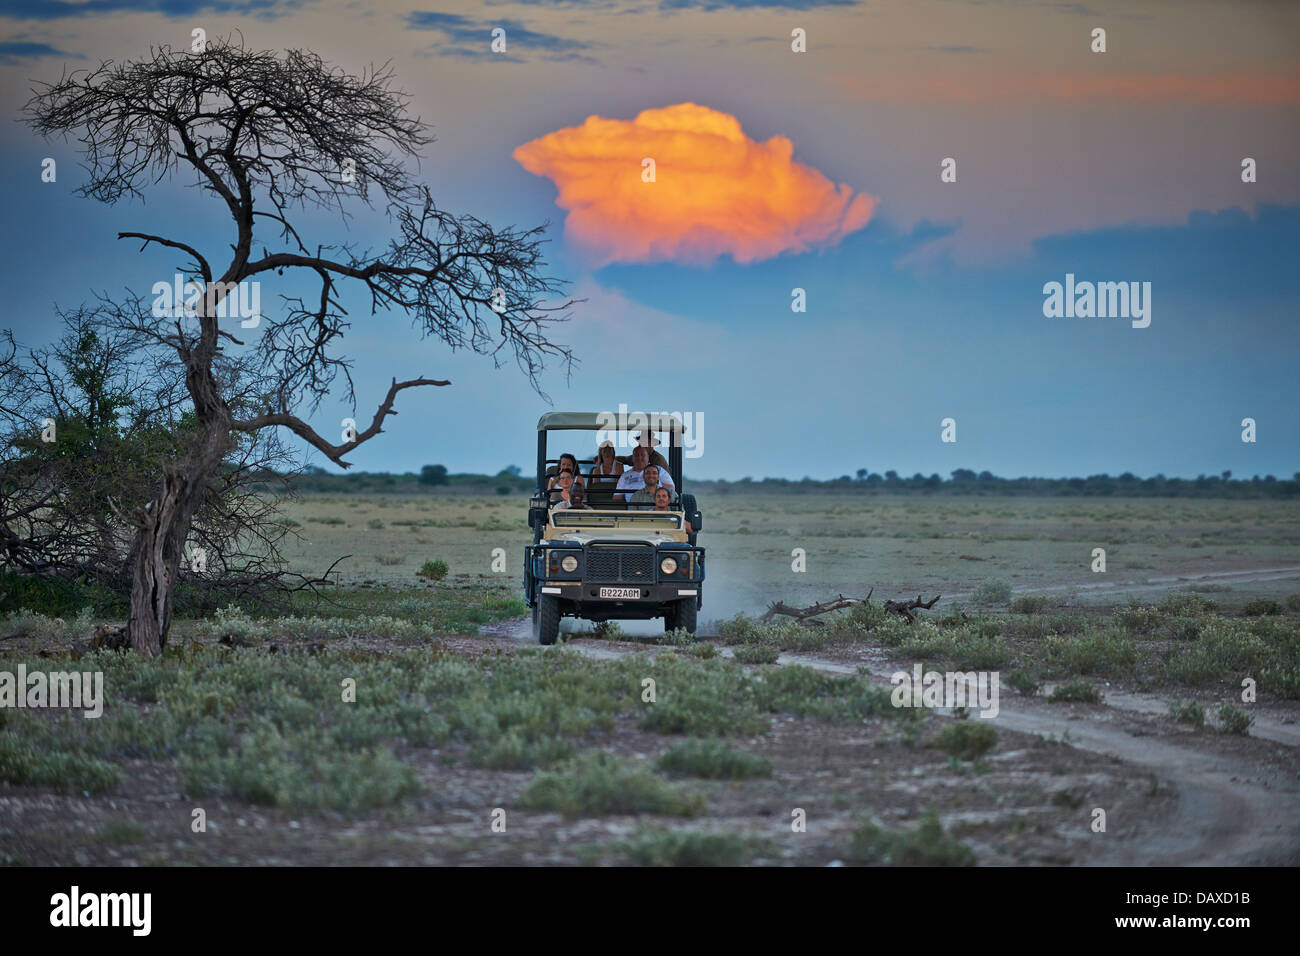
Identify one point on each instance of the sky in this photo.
(776, 170)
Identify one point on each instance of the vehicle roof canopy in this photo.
(602, 421)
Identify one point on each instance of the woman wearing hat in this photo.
(606, 463)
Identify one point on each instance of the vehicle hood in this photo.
(583, 538)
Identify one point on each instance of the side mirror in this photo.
(692, 511)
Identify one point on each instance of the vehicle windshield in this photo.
(639, 520)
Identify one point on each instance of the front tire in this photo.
(546, 619)
(682, 614)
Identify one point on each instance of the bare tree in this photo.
(118, 405)
(265, 135)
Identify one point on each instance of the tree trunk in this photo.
(155, 559)
(159, 545)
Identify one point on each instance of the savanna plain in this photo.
(1162, 691)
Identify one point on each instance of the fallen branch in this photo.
(806, 615)
(905, 608)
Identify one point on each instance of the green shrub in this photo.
(694, 709)
(993, 591)
(677, 637)
(1033, 628)
(1266, 647)
(512, 752)
(1185, 603)
(703, 650)
(756, 654)
(48, 629)
(972, 652)
(1137, 619)
(782, 632)
(1260, 607)
(374, 524)
(1076, 691)
(1105, 652)
(1187, 712)
(1234, 720)
(433, 570)
(860, 620)
(714, 760)
(967, 739)
(1067, 623)
(23, 763)
(56, 597)
(804, 692)
(268, 768)
(1185, 628)
(1022, 682)
(676, 848)
(1293, 602)
(927, 845)
(598, 783)
(1030, 604)
(608, 631)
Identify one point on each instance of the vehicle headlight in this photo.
(569, 563)
(668, 565)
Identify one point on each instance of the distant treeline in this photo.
(963, 481)
(431, 478)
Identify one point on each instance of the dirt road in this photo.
(1238, 799)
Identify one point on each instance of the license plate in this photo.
(620, 592)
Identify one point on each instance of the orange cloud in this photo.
(716, 191)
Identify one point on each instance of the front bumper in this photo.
(610, 564)
(589, 591)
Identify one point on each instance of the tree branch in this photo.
(204, 269)
(308, 434)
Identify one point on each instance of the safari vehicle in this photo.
(610, 561)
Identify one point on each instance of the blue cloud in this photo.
(62, 9)
(15, 51)
(706, 5)
(472, 38)
(753, 4)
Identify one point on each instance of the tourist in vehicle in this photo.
(606, 464)
(646, 440)
(664, 502)
(634, 479)
(567, 460)
(644, 497)
(564, 484)
(577, 499)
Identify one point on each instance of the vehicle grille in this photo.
(635, 565)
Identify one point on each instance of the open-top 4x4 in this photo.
(610, 561)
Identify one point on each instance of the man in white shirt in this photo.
(644, 498)
(633, 479)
